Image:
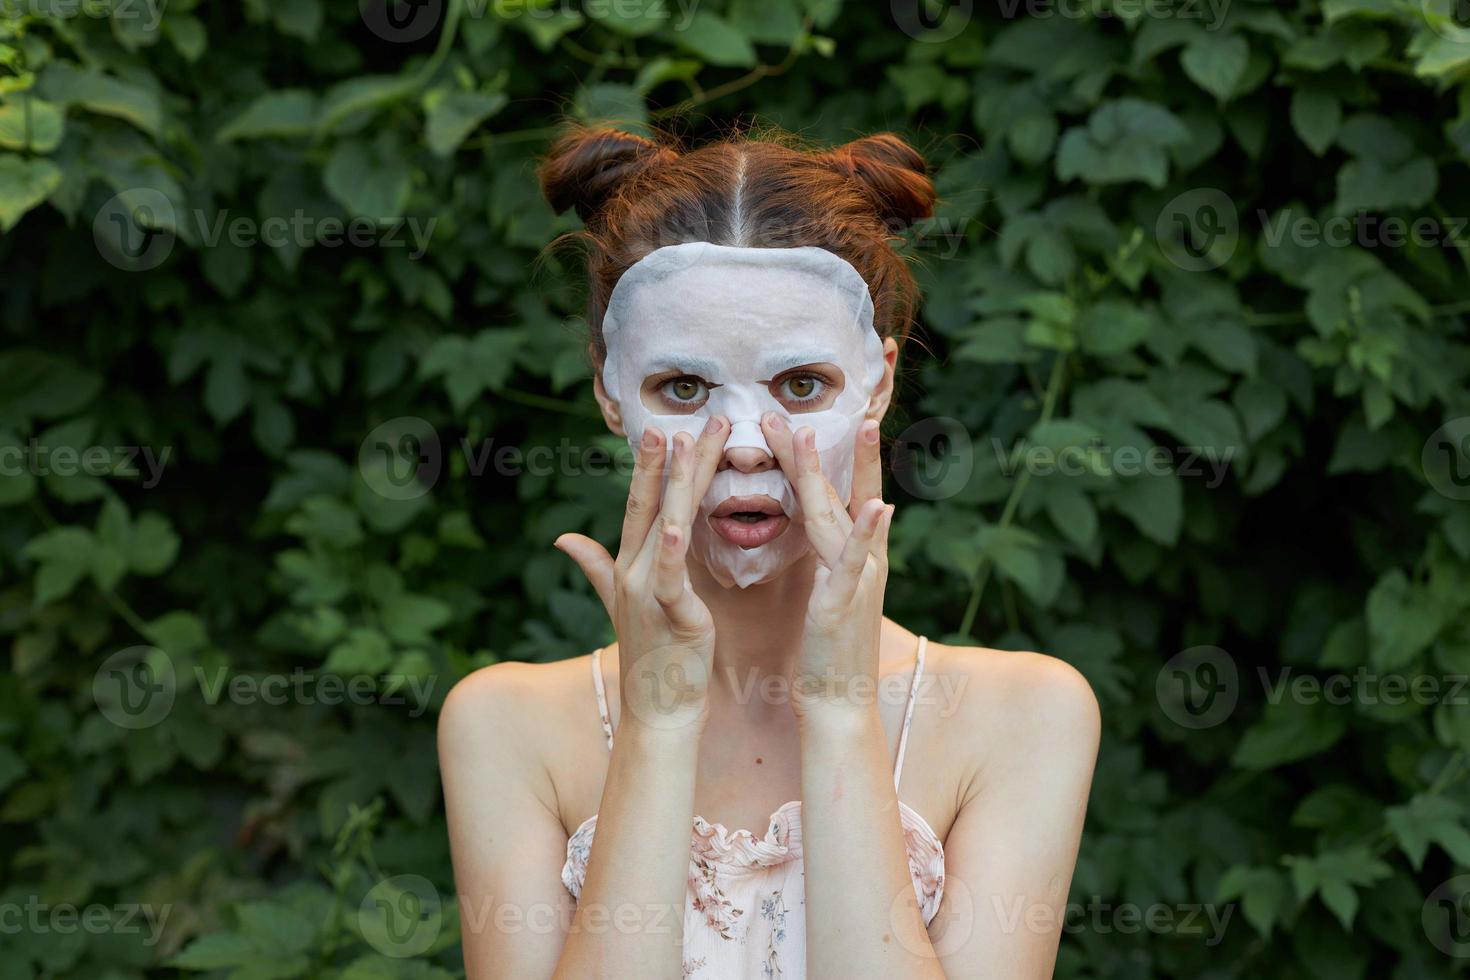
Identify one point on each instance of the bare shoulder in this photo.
(513, 708)
(1016, 706)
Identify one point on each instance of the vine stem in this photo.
(1018, 490)
(735, 85)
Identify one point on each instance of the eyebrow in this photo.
(780, 361)
(690, 364)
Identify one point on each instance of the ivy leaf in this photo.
(283, 114)
(1216, 62)
(1262, 893)
(717, 41)
(1112, 327)
(454, 115)
(24, 184)
(1316, 116)
(370, 181)
(1124, 140)
(1336, 876)
(93, 90)
(1431, 819)
(1289, 731)
(30, 124)
(1403, 619)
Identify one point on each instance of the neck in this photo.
(757, 629)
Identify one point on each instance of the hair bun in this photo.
(587, 165)
(892, 173)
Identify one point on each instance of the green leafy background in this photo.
(1056, 316)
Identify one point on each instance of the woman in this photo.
(747, 308)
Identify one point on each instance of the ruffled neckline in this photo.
(740, 852)
(717, 844)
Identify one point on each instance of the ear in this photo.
(883, 395)
(611, 414)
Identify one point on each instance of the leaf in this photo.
(1216, 62)
(1316, 116)
(1262, 893)
(1336, 875)
(37, 384)
(365, 652)
(1403, 619)
(1154, 502)
(1111, 327)
(284, 114)
(216, 950)
(65, 555)
(1125, 140)
(24, 184)
(95, 91)
(1289, 731)
(1429, 820)
(30, 124)
(369, 182)
(716, 41)
(455, 115)
(411, 619)
(361, 96)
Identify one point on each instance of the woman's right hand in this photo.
(666, 638)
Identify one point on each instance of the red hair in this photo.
(635, 195)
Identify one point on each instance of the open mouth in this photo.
(749, 522)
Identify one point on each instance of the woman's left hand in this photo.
(838, 665)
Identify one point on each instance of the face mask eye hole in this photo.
(682, 394)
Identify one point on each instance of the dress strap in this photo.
(601, 691)
(908, 713)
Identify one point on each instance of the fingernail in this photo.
(775, 422)
(650, 438)
(870, 432)
(713, 425)
(809, 438)
(671, 536)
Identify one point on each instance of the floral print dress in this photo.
(745, 912)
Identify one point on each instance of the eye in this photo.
(804, 390)
(686, 389)
(682, 394)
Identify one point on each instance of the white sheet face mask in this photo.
(738, 319)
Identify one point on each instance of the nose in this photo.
(746, 449)
(747, 460)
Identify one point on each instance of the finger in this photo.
(695, 463)
(867, 468)
(595, 563)
(826, 525)
(671, 578)
(847, 571)
(643, 494)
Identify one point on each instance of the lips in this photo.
(749, 521)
